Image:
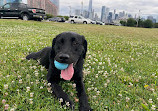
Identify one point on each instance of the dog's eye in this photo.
(62, 41)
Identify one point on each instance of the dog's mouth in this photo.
(67, 73)
(67, 70)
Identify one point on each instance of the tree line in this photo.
(139, 23)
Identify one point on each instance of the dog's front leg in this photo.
(57, 89)
(61, 95)
(83, 100)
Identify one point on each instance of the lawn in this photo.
(120, 70)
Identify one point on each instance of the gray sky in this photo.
(147, 7)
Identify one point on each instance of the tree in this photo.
(123, 23)
(147, 24)
(131, 22)
(156, 25)
(49, 16)
(140, 23)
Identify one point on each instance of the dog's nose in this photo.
(64, 57)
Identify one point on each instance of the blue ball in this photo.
(60, 66)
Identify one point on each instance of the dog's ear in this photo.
(52, 54)
(85, 47)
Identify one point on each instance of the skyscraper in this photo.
(48, 5)
(103, 17)
(90, 10)
(104, 14)
(90, 6)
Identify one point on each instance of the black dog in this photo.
(69, 48)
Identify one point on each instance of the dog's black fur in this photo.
(67, 47)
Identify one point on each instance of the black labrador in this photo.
(69, 48)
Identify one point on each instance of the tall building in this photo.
(85, 14)
(96, 17)
(103, 17)
(104, 14)
(44, 4)
(90, 10)
(151, 18)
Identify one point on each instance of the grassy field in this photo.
(120, 70)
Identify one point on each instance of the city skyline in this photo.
(129, 6)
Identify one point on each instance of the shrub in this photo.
(156, 25)
(147, 24)
(123, 23)
(49, 16)
(131, 22)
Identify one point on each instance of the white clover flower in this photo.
(31, 94)
(36, 74)
(98, 92)
(105, 85)
(60, 100)
(41, 87)
(27, 89)
(5, 86)
(67, 104)
(130, 84)
(42, 68)
(150, 101)
(49, 84)
(89, 89)
(31, 101)
(37, 81)
(120, 95)
(94, 97)
(20, 81)
(127, 99)
(108, 81)
(96, 75)
(153, 107)
(6, 94)
(74, 85)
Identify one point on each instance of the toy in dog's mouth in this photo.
(67, 70)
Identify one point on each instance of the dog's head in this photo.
(68, 47)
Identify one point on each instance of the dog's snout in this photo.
(64, 57)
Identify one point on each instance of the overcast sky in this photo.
(147, 7)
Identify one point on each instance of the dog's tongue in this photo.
(67, 73)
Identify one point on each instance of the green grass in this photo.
(120, 70)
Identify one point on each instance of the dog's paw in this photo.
(85, 109)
